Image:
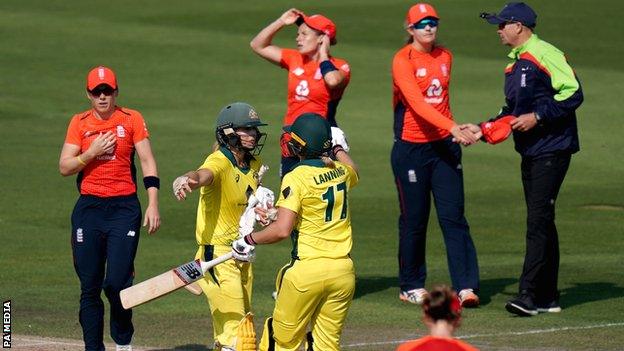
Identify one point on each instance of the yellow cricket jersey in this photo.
(222, 203)
(319, 196)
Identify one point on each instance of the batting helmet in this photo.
(239, 115)
(310, 136)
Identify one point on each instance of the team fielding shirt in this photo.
(319, 196)
(432, 343)
(112, 174)
(222, 203)
(307, 91)
(420, 94)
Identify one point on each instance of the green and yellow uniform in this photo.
(228, 286)
(317, 286)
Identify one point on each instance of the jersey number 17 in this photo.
(329, 196)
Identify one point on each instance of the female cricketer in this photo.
(100, 146)
(317, 286)
(226, 179)
(316, 80)
(426, 160)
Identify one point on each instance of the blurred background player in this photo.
(316, 80)
(317, 286)
(226, 179)
(442, 316)
(543, 92)
(425, 160)
(100, 146)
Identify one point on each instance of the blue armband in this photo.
(326, 67)
(151, 181)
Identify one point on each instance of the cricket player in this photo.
(226, 179)
(317, 286)
(426, 161)
(99, 148)
(316, 80)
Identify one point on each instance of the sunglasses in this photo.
(102, 89)
(431, 22)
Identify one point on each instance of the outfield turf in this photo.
(180, 62)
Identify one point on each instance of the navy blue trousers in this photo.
(105, 236)
(422, 169)
(542, 178)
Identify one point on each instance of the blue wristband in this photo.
(326, 67)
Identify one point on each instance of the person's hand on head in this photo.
(290, 16)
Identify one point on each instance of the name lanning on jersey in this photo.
(331, 175)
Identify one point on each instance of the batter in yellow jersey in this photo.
(316, 288)
(226, 179)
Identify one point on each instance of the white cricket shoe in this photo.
(468, 298)
(415, 296)
(123, 347)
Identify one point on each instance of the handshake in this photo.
(493, 132)
(259, 208)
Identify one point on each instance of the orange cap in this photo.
(101, 75)
(419, 11)
(322, 24)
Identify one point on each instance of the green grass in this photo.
(180, 62)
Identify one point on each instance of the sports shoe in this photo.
(415, 296)
(552, 307)
(467, 298)
(522, 305)
(123, 347)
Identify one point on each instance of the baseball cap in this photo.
(497, 131)
(320, 23)
(101, 75)
(513, 12)
(239, 114)
(420, 11)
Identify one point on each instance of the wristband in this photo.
(336, 149)
(249, 240)
(81, 160)
(151, 181)
(326, 67)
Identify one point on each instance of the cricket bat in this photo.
(168, 282)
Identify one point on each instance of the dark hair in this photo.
(442, 303)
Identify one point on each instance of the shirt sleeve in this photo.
(215, 164)
(139, 128)
(290, 195)
(352, 177)
(568, 93)
(403, 76)
(73, 132)
(287, 57)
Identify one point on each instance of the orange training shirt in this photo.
(307, 91)
(420, 94)
(109, 174)
(432, 343)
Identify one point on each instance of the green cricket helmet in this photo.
(310, 136)
(239, 115)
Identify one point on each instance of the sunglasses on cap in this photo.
(431, 22)
(102, 89)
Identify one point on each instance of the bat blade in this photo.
(167, 282)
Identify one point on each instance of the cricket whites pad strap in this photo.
(246, 334)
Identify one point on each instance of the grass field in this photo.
(180, 62)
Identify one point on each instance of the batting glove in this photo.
(248, 219)
(243, 251)
(266, 199)
(339, 138)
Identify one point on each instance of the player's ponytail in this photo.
(442, 303)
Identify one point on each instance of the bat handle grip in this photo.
(207, 265)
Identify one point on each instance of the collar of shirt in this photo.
(514, 54)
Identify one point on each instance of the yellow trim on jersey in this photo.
(223, 202)
(319, 196)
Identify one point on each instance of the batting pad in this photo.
(246, 334)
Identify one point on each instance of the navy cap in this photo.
(513, 12)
